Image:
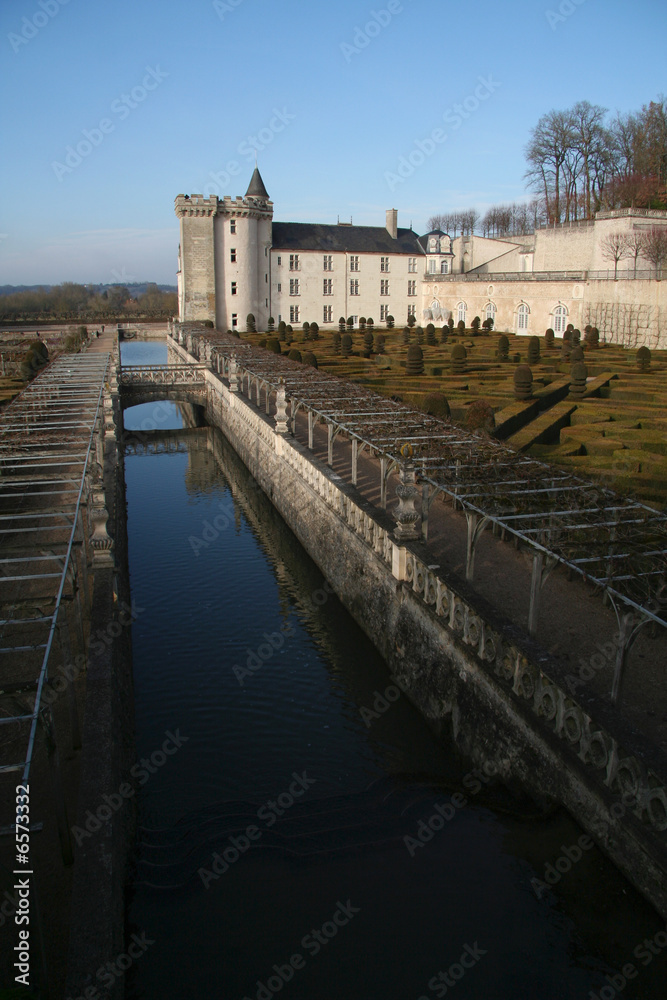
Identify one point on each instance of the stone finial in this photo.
(408, 520)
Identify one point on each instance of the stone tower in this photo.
(225, 257)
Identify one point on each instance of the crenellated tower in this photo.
(196, 257)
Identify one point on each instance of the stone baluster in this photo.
(408, 521)
(233, 374)
(281, 410)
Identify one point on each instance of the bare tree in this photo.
(655, 247)
(546, 153)
(634, 243)
(614, 247)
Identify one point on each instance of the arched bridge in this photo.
(149, 383)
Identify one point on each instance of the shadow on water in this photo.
(304, 832)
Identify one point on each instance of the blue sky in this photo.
(173, 95)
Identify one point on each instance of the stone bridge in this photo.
(181, 383)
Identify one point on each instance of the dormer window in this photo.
(433, 245)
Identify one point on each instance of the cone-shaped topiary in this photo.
(271, 324)
(415, 360)
(457, 359)
(341, 324)
(282, 327)
(430, 335)
(411, 320)
(362, 323)
(368, 344)
(379, 343)
(346, 345)
(250, 323)
(576, 337)
(643, 359)
(444, 334)
(576, 354)
(578, 376)
(310, 359)
(533, 350)
(273, 345)
(420, 335)
(592, 336)
(335, 340)
(350, 322)
(406, 334)
(566, 349)
(523, 382)
(549, 338)
(370, 323)
(480, 416)
(314, 331)
(460, 327)
(503, 347)
(475, 325)
(436, 405)
(294, 355)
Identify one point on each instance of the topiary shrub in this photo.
(420, 335)
(488, 324)
(306, 330)
(346, 345)
(450, 322)
(435, 405)
(341, 324)
(592, 336)
(314, 331)
(475, 325)
(566, 349)
(460, 327)
(208, 323)
(350, 322)
(480, 416)
(362, 323)
(40, 349)
(533, 351)
(523, 382)
(411, 320)
(250, 323)
(643, 359)
(310, 359)
(271, 324)
(379, 343)
(415, 360)
(335, 340)
(390, 322)
(578, 376)
(576, 354)
(406, 334)
(282, 328)
(370, 323)
(289, 334)
(430, 335)
(549, 337)
(294, 355)
(576, 337)
(273, 345)
(457, 359)
(368, 344)
(444, 334)
(503, 349)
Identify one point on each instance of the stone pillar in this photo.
(281, 411)
(233, 374)
(408, 521)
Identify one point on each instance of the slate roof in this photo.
(256, 187)
(337, 239)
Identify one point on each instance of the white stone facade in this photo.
(234, 260)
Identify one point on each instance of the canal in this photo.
(301, 831)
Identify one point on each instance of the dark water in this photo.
(272, 854)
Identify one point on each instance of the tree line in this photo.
(69, 301)
(579, 161)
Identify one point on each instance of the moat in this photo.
(300, 827)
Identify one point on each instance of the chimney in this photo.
(392, 222)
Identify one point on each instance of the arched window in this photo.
(461, 310)
(490, 312)
(444, 267)
(560, 319)
(522, 314)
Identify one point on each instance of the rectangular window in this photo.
(354, 286)
(384, 263)
(280, 287)
(233, 288)
(235, 320)
(232, 254)
(384, 288)
(327, 286)
(328, 262)
(412, 287)
(327, 314)
(431, 267)
(294, 264)
(232, 226)
(294, 286)
(412, 265)
(266, 279)
(411, 311)
(384, 312)
(354, 263)
(294, 314)
(280, 260)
